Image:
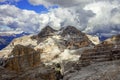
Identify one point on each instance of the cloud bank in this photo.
(32, 22)
(97, 17)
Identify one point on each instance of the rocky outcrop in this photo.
(36, 73)
(22, 58)
(92, 56)
(25, 41)
(95, 39)
(108, 50)
(24, 63)
(45, 32)
(109, 70)
(74, 38)
(99, 63)
(114, 41)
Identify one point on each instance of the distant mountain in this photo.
(2, 43)
(5, 39)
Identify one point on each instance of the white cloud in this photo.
(91, 16)
(15, 18)
(98, 17)
(67, 3)
(106, 18)
(32, 22)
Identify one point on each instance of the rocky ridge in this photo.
(79, 55)
(99, 63)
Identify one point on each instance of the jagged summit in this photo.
(74, 38)
(47, 31)
(71, 30)
(69, 37)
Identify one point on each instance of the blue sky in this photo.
(24, 4)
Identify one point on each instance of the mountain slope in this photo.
(99, 63)
(54, 43)
(67, 52)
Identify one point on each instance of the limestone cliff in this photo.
(22, 58)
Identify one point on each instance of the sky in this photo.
(95, 17)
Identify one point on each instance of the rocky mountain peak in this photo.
(74, 38)
(71, 30)
(47, 31)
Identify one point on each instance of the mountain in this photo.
(99, 63)
(47, 31)
(54, 43)
(2, 43)
(24, 64)
(66, 54)
(113, 40)
(6, 38)
(74, 38)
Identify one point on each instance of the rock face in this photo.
(106, 51)
(45, 32)
(75, 39)
(99, 63)
(24, 64)
(109, 70)
(56, 45)
(25, 41)
(36, 73)
(22, 58)
(95, 39)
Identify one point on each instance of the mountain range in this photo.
(66, 54)
(6, 38)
